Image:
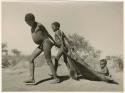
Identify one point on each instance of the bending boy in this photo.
(42, 38)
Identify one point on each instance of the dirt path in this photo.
(13, 80)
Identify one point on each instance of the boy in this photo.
(62, 43)
(104, 68)
(42, 38)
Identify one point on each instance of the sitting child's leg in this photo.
(35, 53)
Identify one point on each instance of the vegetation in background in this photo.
(85, 51)
(83, 48)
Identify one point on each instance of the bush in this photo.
(5, 62)
(118, 63)
(83, 48)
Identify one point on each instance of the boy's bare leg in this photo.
(56, 64)
(57, 59)
(47, 52)
(60, 52)
(35, 53)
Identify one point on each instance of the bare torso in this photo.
(39, 34)
(105, 71)
(59, 34)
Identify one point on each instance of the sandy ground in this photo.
(13, 80)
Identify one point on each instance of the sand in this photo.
(13, 80)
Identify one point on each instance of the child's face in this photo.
(54, 28)
(30, 22)
(102, 64)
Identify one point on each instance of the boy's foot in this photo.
(75, 78)
(29, 81)
(52, 75)
(55, 81)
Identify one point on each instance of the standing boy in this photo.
(62, 43)
(42, 38)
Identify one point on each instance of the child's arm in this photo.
(106, 72)
(100, 72)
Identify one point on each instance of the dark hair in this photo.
(103, 60)
(57, 24)
(29, 16)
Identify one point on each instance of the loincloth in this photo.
(46, 44)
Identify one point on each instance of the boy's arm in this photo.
(105, 72)
(44, 29)
(59, 36)
(66, 38)
(51, 38)
(100, 72)
(108, 72)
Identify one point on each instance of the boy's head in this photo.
(30, 19)
(103, 63)
(55, 26)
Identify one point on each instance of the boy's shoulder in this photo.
(58, 32)
(39, 24)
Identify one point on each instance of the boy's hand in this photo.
(55, 44)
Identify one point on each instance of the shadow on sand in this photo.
(86, 72)
(62, 78)
(111, 82)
